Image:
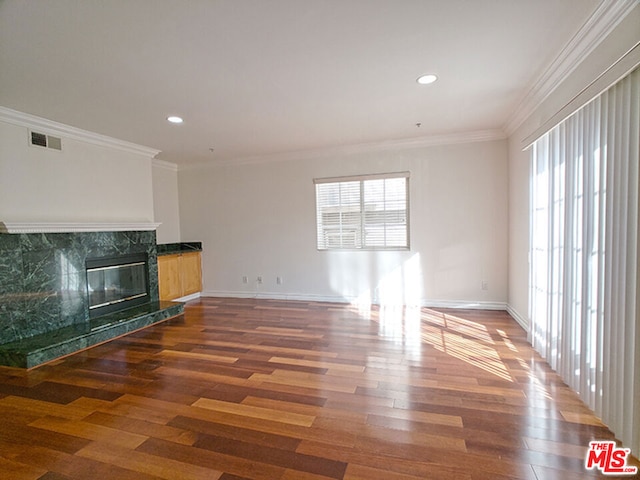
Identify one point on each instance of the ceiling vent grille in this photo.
(46, 141)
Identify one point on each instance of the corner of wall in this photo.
(522, 320)
(166, 203)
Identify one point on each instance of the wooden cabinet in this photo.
(179, 275)
(191, 269)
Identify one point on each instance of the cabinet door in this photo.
(169, 281)
(191, 273)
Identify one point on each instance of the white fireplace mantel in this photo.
(41, 227)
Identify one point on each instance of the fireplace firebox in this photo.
(117, 283)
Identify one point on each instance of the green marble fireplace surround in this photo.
(44, 310)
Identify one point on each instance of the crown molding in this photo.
(22, 119)
(164, 164)
(402, 144)
(43, 227)
(616, 72)
(597, 27)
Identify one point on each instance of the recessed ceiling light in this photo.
(426, 79)
(174, 119)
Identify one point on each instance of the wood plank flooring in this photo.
(256, 389)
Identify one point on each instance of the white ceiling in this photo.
(258, 77)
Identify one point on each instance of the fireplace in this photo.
(48, 280)
(117, 283)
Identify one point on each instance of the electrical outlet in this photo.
(259, 279)
(484, 285)
(245, 279)
(279, 280)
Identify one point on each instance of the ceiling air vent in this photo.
(47, 141)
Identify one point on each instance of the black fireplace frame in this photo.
(100, 262)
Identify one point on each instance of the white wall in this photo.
(259, 219)
(83, 183)
(518, 232)
(166, 201)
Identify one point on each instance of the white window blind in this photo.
(584, 254)
(364, 212)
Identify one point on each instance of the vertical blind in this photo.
(584, 254)
(363, 212)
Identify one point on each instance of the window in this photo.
(584, 252)
(364, 212)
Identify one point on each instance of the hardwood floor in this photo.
(256, 389)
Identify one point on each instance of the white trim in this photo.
(35, 227)
(616, 72)
(164, 164)
(44, 125)
(601, 23)
(358, 178)
(408, 143)
(187, 298)
(279, 296)
(462, 304)
(523, 321)
(458, 304)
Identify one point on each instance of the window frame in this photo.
(362, 179)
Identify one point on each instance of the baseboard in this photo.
(304, 297)
(523, 321)
(280, 296)
(461, 304)
(188, 298)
